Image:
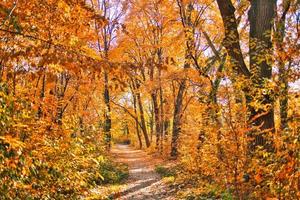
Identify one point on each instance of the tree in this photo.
(283, 72)
(113, 11)
(261, 17)
(185, 10)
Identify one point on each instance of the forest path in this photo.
(143, 182)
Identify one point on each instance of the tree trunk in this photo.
(232, 38)
(261, 17)
(177, 119)
(14, 82)
(151, 123)
(81, 125)
(142, 116)
(107, 112)
(186, 14)
(283, 72)
(155, 108)
(61, 88)
(1, 71)
(136, 122)
(156, 119)
(162, 118)
(42, 95)
(215, 110)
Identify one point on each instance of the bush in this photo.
(164, 171)
(109, 172)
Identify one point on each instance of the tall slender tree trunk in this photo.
(215, 109)
(142, 116)
(186, 14)
(1, 71)
(283, 98)
(162, 119)
(60, 95)
(151, 123)
(42, 95)
(161, 99)
(107, 112)
(177, 119)
(14, 82)
(156, 118)
(155, 109)
(283, 72)
(136, 121)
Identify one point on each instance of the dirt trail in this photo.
(143, 182)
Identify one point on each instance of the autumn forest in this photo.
(149, 99)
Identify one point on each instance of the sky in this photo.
(295, 86)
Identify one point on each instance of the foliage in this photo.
(203, 82)
(58, 167)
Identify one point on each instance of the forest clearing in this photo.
(149, 99)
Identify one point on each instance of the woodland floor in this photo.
(143, 182)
